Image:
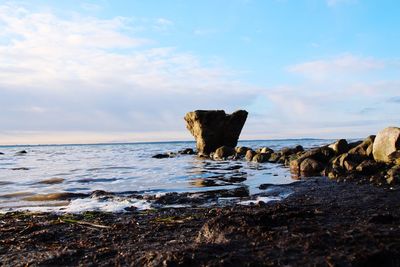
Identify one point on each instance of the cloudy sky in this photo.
(116, 71)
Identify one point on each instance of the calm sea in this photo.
(33, 181)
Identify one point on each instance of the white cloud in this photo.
(338, 66)
(95, 75)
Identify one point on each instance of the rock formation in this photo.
(214, 128)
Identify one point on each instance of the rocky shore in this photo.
(323, 223)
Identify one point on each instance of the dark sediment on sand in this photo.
(322, 223)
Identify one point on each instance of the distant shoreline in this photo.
(163, 142)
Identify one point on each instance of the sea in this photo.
(68, 178)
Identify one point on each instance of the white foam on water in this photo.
(86, 204)
(258, 200)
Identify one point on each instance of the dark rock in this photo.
(249, 155)
(187, 151)
(368, 167)
(1, 153)
(354, 144)
(264, 150)
(20, 169)
(215, 128)
(265, 186)
(22, 152)
(286, 151)
(393, 175)
(348, 161)
(223, 152)
(274, 157)
(340, 146)
(309, 167)
(386, 142)
(365, 148)
(160, 156)
(321, 155)
(260, 157)
(241, 150)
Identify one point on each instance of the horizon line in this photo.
(160, 142)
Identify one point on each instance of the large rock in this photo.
(387, 142)
(309, 167)
(340, 146)
(223, 152)
(364, 148)
(214, 128)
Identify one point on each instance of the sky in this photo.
(127, 71)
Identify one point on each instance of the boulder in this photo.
(340, 146)
(215, 128)
(347, 161)
(286, 151)
(241, 150)
(223, 152)
(250, 154)
(309, 167)
(368, 167)
(364, 148)
(1, 153)
(260, 157)
(265, 150)
(321, 154)
(386, 142)
(274, 157)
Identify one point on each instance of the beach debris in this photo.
(214, 128)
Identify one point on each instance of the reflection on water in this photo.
(64, 175)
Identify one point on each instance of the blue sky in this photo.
(99, 71)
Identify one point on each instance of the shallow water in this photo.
(44, 178)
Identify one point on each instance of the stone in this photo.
(347, 161)
(250, 154)
(241, 150)
(393, 175)
(214, 128)
(368, 167)
(364, 148)
(266, 150)
(274, 157)
(187, 151)
(286, 151)
(386, 142)
(22, 152)
(310, 167)
(321, 154)
(340, 146)
(223, 152)
(160, 156)
(260, 157)
(1, 153)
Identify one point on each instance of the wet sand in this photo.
(322, 223)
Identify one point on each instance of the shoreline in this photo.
(322, 223)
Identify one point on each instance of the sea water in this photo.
(29, 181)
